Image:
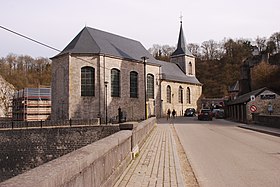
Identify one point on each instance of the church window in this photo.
(133, 84)
(190, 68)
(115, 83)
(168, 94)
(180, 94)
(188, 95)
(87, 81)
(150, 86)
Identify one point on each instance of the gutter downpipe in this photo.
(98, 77)
(105, 95)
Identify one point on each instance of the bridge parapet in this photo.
(98, 164)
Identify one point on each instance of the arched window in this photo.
(133, 84)
(180, 95)
(190, 68)
(150, 86)
(87, 81)
(115, 83)
(188, 95)
(168, 94)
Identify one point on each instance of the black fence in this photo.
(42, 124)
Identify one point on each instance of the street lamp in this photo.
(106, 83)
(144, 58)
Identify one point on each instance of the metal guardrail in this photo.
(41, 124)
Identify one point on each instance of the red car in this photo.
(205, 114)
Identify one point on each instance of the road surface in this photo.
(222, 154)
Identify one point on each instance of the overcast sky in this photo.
(57, 22)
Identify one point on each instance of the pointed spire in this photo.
(181, 45)
(181, 40)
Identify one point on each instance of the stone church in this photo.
(99, 73)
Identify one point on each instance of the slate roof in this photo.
(246, 97)
(93, 41)
(181, 45)
(172, 72)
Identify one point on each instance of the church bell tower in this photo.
(182, 56)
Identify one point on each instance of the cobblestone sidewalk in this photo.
(157, 163)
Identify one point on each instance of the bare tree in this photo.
(194, 49)
(209, 49)
(167, 50)
(162, 52)
(276, 39)
(261, 43)
(155, 49)
(271, 47)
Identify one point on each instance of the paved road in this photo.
(222, 154)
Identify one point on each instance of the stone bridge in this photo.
(98, 164)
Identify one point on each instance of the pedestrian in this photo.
(173, 113)
(168, 114)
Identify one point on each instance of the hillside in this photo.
(218, 64)
(24, 71)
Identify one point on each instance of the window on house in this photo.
(150, 86)
(190, 68)
(87, 81)
(133, 84)
(188, 95)
(180, 95)
(115, 83)
(168, 94)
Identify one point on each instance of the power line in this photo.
(45, 45)
(28, 38)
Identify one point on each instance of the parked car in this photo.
(214, 111)
(220, 114)
(189, 112)
(205, 114)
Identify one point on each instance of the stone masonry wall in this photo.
(132, 107)
(92, 107)
(24, 149)
(68, 103)
(86, 107)
(59, 85)
(195, 93)
(153, 104)
(262, 105)
(98, 164)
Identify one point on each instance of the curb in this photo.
(261, 130)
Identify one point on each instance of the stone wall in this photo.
(267, 120)
(262, 105)
(153, 104)
(24, 149)
(68, 102)
(132, 107)
(66, 88)
(85, 107)
(98, 164)
(141, 130)
(60, 87)
(195, 93)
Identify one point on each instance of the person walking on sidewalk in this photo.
(173, 113)
(168, 114)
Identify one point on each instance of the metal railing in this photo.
(50, 123)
